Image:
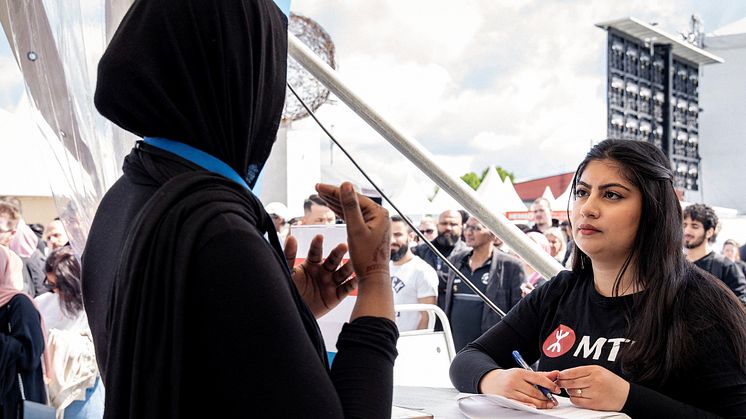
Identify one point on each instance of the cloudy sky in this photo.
(520, 84)
(517, 84)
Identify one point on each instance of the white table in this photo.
(438, 402)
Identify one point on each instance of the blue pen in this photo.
(519, 359)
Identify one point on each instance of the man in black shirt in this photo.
(448, 241)
(700, 222)
(730, 251)
(498, 275)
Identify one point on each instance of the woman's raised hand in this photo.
(368, 237)
(368, 228)
(321, 282)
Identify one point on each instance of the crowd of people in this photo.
(637, 255)
(48, 349)
(418, 275)
(187, 303)
(42, 288)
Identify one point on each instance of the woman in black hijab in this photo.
(193, 311)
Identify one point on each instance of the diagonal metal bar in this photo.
(406, 219)
(420, 157)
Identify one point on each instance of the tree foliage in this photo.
(474, 180)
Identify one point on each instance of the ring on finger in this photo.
(579, 392)
(326, 268)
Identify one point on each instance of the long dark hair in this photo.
(66, 268)
(678, 301)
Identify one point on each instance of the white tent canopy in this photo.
(410, 198)
(442, 202)
(499, 195)
(548, 195)
(492, 191)
(513, 201)
(560, 204)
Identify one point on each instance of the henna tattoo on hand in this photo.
(380, 255)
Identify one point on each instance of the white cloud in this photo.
(456, 165)
(387, 84)
(492, 141)
(476, 82)
(517, 84)
(11, 83)
(10, 75)
(424, 30)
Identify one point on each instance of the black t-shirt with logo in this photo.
(566, 323)
(588, 329)
(466, 307)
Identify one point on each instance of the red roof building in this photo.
(532, 189)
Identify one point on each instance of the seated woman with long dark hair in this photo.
(633, 327)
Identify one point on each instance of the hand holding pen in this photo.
(519, 359)
(521, 385)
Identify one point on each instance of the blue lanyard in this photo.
(198, 157)
(284, 5)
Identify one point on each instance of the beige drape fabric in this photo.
(74, 366)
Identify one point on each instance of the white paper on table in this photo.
(331, 323)
(484, 406)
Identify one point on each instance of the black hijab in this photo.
(207, 73)
(211, 74)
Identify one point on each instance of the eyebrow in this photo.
(605, 186)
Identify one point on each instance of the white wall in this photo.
(731, 228)
(723, 125)
(38, 209)
(293, 168)
(304, 167)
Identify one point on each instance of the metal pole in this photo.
(406, 219)
(412, 150)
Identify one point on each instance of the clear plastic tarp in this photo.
(57, 45)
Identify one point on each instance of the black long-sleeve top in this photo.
(193, 312)
(566, 323)
(20, 352)
(726, 271)
(247, 347)
(34, 275)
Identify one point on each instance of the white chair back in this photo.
(424, 355)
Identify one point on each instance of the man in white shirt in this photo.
(412, 279)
